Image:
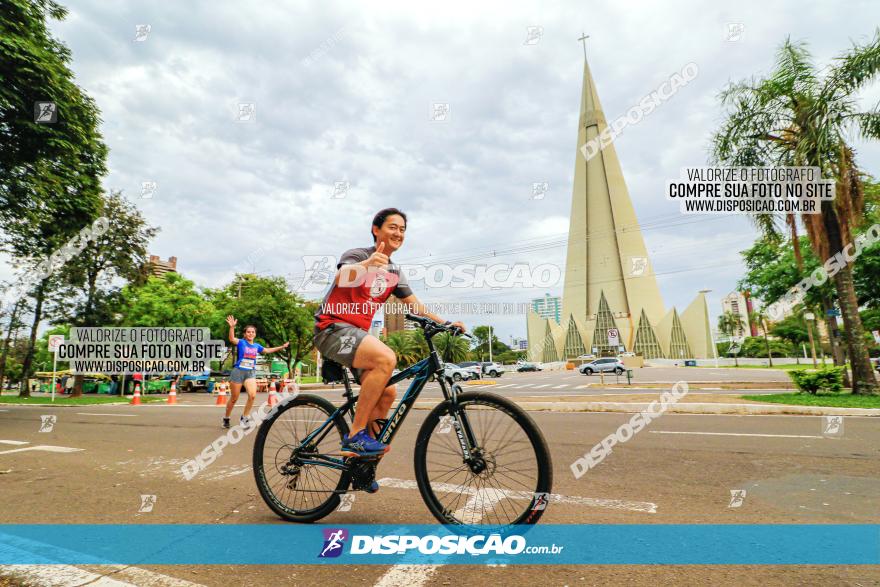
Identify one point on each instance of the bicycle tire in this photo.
(260, 474)
(543, 465)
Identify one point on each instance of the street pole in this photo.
(810, 317)
(54, 368)
(490, 343)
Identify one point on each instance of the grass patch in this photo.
(310, 379)
(831, 400)
(86, 400)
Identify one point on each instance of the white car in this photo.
(453, 372)
(604, 365)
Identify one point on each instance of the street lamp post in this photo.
(708, 320)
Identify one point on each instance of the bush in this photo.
(825, 379)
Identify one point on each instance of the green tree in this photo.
(119, 252)
(10, 315)
(279, 315)
(452, 349)
(50, 173)
(729, 323)
(481, 343)
(797, 116)
(167, 301)
(404, 347)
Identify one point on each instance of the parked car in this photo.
(453, 372)
(492, 369)
(606, 365)
(581, 357)
(195, 382)
(474, 367)
(528, 367)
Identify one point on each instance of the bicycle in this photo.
(301, 475)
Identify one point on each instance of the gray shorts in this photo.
(339, 342)
(242, 375)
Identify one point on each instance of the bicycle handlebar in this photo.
(427, 323)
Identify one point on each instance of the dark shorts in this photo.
(339, 342)
(242, 375)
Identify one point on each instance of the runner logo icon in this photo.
(334, 539)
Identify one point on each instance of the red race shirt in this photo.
(357, 304)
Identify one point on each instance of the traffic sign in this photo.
(55, 341)
(832, 312)
(613, 337)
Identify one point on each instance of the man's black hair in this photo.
(382, 215)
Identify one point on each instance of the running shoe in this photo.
(245, 422)
(362, 445)
(226, 422)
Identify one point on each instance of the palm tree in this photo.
(759, 317)
(799, 117)
(451, 348)
(729, 323)
(403, 347)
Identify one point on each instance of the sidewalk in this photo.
(696, 404)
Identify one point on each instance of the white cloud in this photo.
(359, 112)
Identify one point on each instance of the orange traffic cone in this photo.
(221, 395)
(273, 394)
(136, 398)
(172, 395)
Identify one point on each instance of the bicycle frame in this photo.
(420, 373)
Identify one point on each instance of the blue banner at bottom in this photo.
(282, 544)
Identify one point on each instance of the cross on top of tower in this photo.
(583, 39)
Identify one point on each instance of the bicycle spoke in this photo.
(315, 483)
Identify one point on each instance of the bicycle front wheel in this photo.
(509, 476)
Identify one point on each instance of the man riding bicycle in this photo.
(364, 280)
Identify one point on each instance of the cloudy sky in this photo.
(343, 92)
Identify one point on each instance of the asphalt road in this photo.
(686, 466)
(562, 383)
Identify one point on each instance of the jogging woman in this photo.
(245, 370)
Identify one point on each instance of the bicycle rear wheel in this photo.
(295, 491)
(509, 477)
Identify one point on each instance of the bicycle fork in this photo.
(465, 435)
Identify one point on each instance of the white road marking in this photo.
(635, 506)
(119, 415)
(14, 442)
(407, 576)
(42, 447)
(540, 386)
(561, 386)
(508, 385)
(733, 434)
(417, 575)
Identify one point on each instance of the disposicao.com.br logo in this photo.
(475, 545)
